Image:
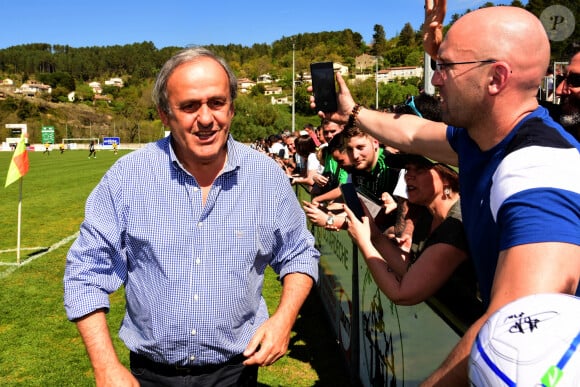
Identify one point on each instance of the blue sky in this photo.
(83, 23)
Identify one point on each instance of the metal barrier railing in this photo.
(383, 343)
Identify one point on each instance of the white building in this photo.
(30, 88)
(390, 74)
(96, 86)
(245, 85)
(114, 82)
(273, 90)
(265, 78)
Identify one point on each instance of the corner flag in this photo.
(19, 164)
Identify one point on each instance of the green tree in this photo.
(393, 93)
(560, 50)
(379, 41)
(84, 92)
(258, 90)
(59, 94)
(302, 101)
(407, 36)
(414, 58)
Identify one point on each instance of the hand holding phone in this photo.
(323, 86)
(351, 199)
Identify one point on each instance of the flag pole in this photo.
(19, 222)
(19, 166)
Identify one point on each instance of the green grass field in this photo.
(38, 346)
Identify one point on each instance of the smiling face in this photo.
(200, 112)
(363, 152)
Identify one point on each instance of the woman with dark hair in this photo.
(438, 244)
(306, 148)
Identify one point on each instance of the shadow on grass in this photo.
(315, 344)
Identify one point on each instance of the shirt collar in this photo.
(379, 159)
(232, 162)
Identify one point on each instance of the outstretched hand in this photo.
(433, 26)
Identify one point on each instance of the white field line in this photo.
(14, 265)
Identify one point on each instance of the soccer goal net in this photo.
(80, 142)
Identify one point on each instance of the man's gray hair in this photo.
(159, 93)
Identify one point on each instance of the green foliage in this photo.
(254, 118)
(84, 92)
(258, 90)
(563, 50)
(59, 94)
(132, 113)
(390, 93)
(407, 36)
(58, 79)
(393, 93)
(379, 41)
(27, 110)
(113, 91)
(302, 103)
(10, 104)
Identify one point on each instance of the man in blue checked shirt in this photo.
(188, 225)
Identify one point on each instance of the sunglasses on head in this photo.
(573, 79)
(411, 103)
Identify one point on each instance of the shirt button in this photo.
(199, 224)
(197, 261)
(192, 358)
(195, 297)
(193, 332)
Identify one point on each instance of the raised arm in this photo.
(405, 132)
(433, 26)
(389, 267)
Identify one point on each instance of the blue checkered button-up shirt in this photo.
(193, 274)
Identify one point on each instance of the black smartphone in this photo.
(351, 199)
(323, 86)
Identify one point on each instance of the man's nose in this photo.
(563, 88)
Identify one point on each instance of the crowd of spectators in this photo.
(328, 156)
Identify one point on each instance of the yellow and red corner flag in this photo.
(19, 164)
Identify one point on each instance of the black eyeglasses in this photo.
(438, 66)
(573, 80)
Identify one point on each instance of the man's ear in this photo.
(163, 117)
(499, 77)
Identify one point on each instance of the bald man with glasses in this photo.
(519, 170)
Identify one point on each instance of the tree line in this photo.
(67, 69)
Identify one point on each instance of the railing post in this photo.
(355, 321)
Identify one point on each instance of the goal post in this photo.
(72, 142)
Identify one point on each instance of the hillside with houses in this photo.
(98, 91)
